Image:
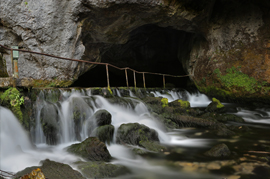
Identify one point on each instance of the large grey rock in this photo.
(140, 135)
(91, 149)
(80, 29)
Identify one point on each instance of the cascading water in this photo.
(74, 111)
(195, 99)
(17, 151)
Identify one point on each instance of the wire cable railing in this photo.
(15, 66)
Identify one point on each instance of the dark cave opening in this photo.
(149, 49)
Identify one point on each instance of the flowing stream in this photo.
(20, 149)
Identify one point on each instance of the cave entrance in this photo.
(149, 49)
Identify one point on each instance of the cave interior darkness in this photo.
(150, 48)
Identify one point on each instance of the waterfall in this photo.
(69, 113)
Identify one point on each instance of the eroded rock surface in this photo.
(223, 45)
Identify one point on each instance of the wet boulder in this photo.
(220, 150)
(104, 133)
(102, 117)
(49, 120)
(139, 134)
(91, 149)
(53, 170)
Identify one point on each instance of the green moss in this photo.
(109, 89)
(219, 105)
(51, 83)
(235, 78)
(184, 104)
(12, 99)
(164, 102)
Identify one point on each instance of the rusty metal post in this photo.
(164, 81)
(126, 77)
(134, 79)
(143, 81)
(107, 71)
(16, 70)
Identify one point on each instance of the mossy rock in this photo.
(53, 170)
(91, 149)
(215, 106)
(104, 133)
(139, 134)
(102, 117)
(101, 169)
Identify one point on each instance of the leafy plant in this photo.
(12, 99)
(234, 77)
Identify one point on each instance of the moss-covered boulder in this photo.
(215, 106)
(180, 103)
(104, 133)
(91, 149)
(101, 169)
(53, 170)
(139, 134)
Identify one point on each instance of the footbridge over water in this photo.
(26, 82)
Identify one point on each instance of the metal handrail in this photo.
(100, 63)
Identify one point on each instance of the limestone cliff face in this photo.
(80, 29)
(221, 43)
(233, 60)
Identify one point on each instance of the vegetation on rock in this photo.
(184, 104)
(12, 99)
(235, 78)
(219, 105)
(164, 102)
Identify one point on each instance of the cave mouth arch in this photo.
(150, 48)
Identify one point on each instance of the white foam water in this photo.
(14, 158)
(17, 151)
(195, 99)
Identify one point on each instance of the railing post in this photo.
(143, 81)
(107, 71)
(126, 77)
(164, 81)
(134, 79)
